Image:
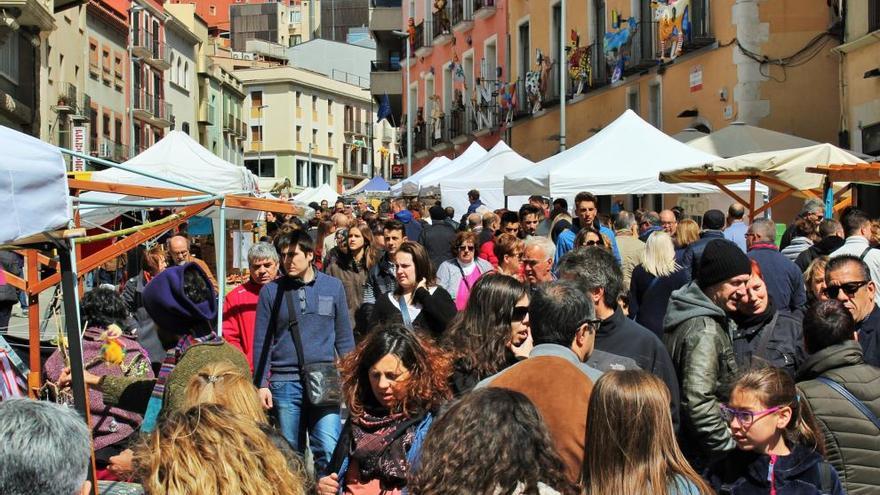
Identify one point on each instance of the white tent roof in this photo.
(180, 158)
(487, 176)
(688, 135)
(318, 194)
(33, 187)
(410, 185)
(430, 183)
(786, 166)
(740, 138)
(623, 158)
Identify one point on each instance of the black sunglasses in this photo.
(849, 288)
(519, 313)
(591, 243)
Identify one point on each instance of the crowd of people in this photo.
(545, 350)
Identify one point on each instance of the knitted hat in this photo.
(721, 260)
(168, 305)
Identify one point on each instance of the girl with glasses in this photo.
(779, 447)
(459, 274)
(492, 333)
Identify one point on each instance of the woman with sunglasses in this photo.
(492, 333)
(459, 274)
(765, 335)
(589, 236)
(417, 302)
(780, 449)
(509, 251)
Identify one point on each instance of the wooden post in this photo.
(33, 276)
(751, 199)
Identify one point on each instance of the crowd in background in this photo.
(549, 349)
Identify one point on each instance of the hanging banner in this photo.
(80, 145)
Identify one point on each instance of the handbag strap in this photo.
(840, 389)
(463, 276)
(269, 342)
(865, 253)
(404, 312)
(293, 325)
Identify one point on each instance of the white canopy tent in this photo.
(410, 185)
(429, 184)
(623, 158)
(317, 194)
(176, 157)
(33, 187)
(487, 176)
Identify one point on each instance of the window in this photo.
(314, 103)
(256, 99)
(93, 124)
(185, 81)
(632, 98)
(655, 105)
(93, 56)
(185, 127)
(871, 139)
(329, 142)
(524, 49)
(298, 95)
(9, 58)
(299, 133)
(106, 63)
(314, 137)
(118, 131)
(295, 16)
(302, 173)
(256, 134)
(117, 64)
(212, 10)
(261, 167)
(873, 15)
(105, 125)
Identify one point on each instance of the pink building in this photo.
(458, 75)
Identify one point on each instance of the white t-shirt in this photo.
(415, 309)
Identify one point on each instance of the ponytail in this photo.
(803, 428)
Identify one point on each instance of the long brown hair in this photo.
(631, 446)
(208, 449)
(421, 262)
(370, 256)
(775, 387)
(429, 367)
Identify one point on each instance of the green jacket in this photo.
(133, 394)
(852, 443)
(697, 335)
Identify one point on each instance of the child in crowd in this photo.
(779, 448)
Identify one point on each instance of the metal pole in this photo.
(135, 170)
(561, 76)
(370, 138)
(408, 111)
(260, 148)
(310, 164)
(221, 266)
(131, 150)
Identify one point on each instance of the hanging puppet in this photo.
(436, 118)
(579, 67)
(442, 16)
(673, 24)
(534, 85)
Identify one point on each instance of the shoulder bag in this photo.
(321, 381)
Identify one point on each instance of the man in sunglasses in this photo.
(848, 280)
(697, 328)
(857, 227)
(556, 377)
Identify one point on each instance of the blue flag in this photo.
(384, 109)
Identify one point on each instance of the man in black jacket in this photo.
(597, 272)
(382, 278)
(831, 232)
(437, 237)
(713, 225)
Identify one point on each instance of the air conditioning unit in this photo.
(105, 150)
(237, 55)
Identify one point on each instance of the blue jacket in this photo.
(565, 242)
(412, 227)
(799, 473)
(323, 324)
(412, 457)
(785, 282)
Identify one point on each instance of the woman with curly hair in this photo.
(209, 449)
(492, 333)
(509, 249)
(352, 268)
(491, 441)
(393, 383)
(631, 446)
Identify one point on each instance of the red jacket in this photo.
(487, 252)
(239, 315)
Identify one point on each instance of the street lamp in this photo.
(561, 76)
(133, 10)
(260, 148)
(405, 35)
(370, 136)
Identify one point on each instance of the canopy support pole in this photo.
(727, 191)
(33, 275)
(221, 266)
(776, 199)
(829, 197)
(752, 212)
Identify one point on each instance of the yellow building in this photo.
(716, 79)
(860, 78)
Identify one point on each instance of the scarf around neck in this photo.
(380, 447)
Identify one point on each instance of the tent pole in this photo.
(751, 199)
(33, 274)
(829, 197)
(220, 239)
(67, 253)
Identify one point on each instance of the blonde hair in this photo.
(223, 384)
(658, 259)
(209, 449)
(631, 446)
(687, 233)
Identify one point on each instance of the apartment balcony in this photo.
(462, 15)
(420, 137)
(441, 27)
(385, 15)
(72, 102)
(229, 123)
(355, 127)
(459, 124)
(438, 140)
(483, 9)
(150, 49)
(152, 109)
(35, 13)
(422, 45)
(242, 129)
(256, 146)
(207, 113)
(109, 149)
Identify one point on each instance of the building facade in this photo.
(341, 16)
(310, 129)
(151, 61)
(860, 78)
(280, 23)
(303, 17)
(181, 83)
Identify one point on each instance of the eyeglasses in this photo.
(591, 243)
(745, 418)
(519, 313)
(849, 288)
(594, 324)
(466, 248)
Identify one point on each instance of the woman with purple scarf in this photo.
(393, 383)
(100, 311)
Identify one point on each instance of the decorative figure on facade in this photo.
(579, 64)
(442, 16)
(534, 93)
(673, 24)
(437, 118)
(411, 30)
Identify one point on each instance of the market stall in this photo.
(410, 185)
(487, 176)
(429, 184)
